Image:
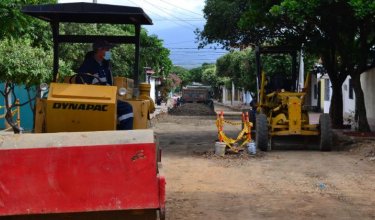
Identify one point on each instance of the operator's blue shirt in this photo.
(93, 72)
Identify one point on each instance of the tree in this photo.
(21, 64)
(210, 77)
(155, 55)
(341, 32)
(21, 61)
(240, 66)
(15, 24)
(182, 73)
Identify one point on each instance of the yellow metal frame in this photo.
(78, 107)
(243, 137)
(284, 111)
(60, 111)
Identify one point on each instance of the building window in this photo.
(351, 90)
(326, 90)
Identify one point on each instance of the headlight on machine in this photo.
(43, 87)
(122, 91)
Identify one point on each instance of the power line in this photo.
(160, 16)
(168, 19)
(199, 52)
(173, 21)
(197, 55)
(181, 8)
(156, 6)
(180, 42)
(191, 48)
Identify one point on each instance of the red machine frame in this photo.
(80, 179)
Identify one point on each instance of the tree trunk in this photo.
(8, 109)
(360, 108)
(336, 107)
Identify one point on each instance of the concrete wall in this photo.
(231, 96)
(153, 89)
(348, 98)
(368, 86)
(27, 117)
(326, 93)
(246, 97)
(227, 95)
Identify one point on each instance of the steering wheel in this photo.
(87, 74)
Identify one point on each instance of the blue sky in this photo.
(174, 22)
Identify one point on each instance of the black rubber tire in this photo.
(325, 133)
(261, 137)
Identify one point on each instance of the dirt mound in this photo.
(192, 109)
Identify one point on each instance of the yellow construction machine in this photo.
(281, 109)
(78, 166)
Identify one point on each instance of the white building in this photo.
(368, 87)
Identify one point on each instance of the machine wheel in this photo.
(325, 133)
(262, 132)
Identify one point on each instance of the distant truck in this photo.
(197, 94)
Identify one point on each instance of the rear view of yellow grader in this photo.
(281, 110)
(77, 166)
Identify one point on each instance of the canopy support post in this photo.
(55, 33)
(137, 57)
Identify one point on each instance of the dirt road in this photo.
(275, 185)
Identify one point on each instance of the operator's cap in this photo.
(100, 44)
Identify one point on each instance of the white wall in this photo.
(313, 93)
(153, 88)
(326, 93)
(348, 101)
(368, 86)
(231, 96)
(246, 97)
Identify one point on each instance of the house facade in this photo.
(368, 87)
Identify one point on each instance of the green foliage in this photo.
(26, 48)
(15, 24)
(195, 74)
(21, 63)
(182, 73)
(210, 77)
(341, 32)
(152, 54)
(321, 26)
(273, 64)
(363, 8)
(239, 66)
(222, 18)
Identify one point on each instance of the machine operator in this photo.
(95, 69)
